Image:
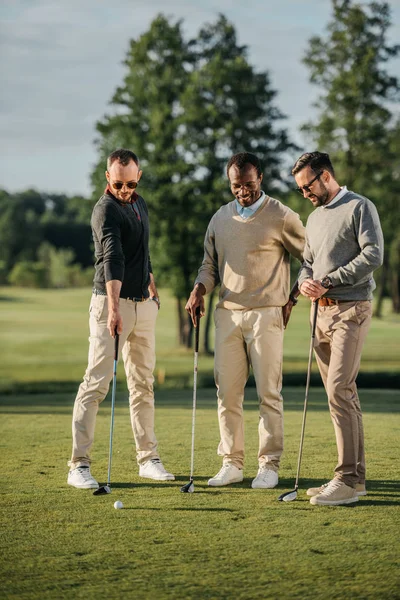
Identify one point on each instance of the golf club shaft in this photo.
(114, 387)
(196, 358)
(310, 356)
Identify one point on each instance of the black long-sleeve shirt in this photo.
(121, 245)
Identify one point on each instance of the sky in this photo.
(61, 61)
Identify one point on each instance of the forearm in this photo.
(152, 287)
(208, 275)
(113, 288)
(359, 268)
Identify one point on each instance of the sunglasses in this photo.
(306, 188)
(118, 185)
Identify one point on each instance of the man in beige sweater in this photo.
(247, 251)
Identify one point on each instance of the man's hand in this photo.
(153, 291)
(286, 312)
(196, 299)
(312, 288)
(114, 322)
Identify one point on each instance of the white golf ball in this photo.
(118, 504)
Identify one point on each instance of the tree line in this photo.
(185, 106)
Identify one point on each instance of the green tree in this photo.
(354, 121)
(20, 227)
(228, 107)
(185, 107)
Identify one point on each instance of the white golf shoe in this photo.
(227, 475)
(154, 469)
(81, 478)
(265, 478)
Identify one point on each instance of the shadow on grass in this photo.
(181, 509)
(373, 401)
(181, 383)
(12, 299)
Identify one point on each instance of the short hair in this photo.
(317, 161)
(242, 159)
(123, 156)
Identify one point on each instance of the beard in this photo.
(320, 199)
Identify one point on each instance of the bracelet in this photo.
(293, 299)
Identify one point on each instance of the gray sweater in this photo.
(344, 241)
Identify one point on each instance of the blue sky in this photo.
(62, 60)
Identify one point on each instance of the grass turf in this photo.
(236, 543)
(43, 340)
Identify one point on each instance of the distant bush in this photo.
(28, 274)
(53, 270)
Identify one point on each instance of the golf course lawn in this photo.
(226, 543)
(44, 333)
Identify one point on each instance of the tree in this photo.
(355, 124)
(20, 227)
(182, 109)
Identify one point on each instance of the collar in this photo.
(339, 196)
(248, 211)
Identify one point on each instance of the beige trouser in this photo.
(339, 337)
(245, 338)
(137, 342)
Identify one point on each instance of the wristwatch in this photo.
(326, 282)
(156, 300)
(293, 300)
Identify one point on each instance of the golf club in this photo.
(106, 489)
(188, 488)
(292, 495)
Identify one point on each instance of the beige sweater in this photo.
(250, 258)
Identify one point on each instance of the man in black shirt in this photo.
(125, 300)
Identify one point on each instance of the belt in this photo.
(101, 293)
(331, 302)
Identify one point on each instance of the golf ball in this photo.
(118, 504)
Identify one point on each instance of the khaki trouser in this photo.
(245, 338)
(137, 342)
(339, 337)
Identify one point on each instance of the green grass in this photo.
(231, 543)
(43, 339)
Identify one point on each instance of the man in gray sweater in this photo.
(344, 245)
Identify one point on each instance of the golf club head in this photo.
(104, 489)
(288, 496)
(188, 488)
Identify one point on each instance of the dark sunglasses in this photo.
(306, 188)
(118, 185)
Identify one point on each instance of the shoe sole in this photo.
(334, 502)
(364, 493)
(84, 487)
(224, 484)
(264, 487)
(158, 478)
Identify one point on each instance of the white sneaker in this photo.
(228, 474)
(266, 478)
(80, 477)
(154, 469)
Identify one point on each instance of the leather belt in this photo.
(101, 293)
(331, 302)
